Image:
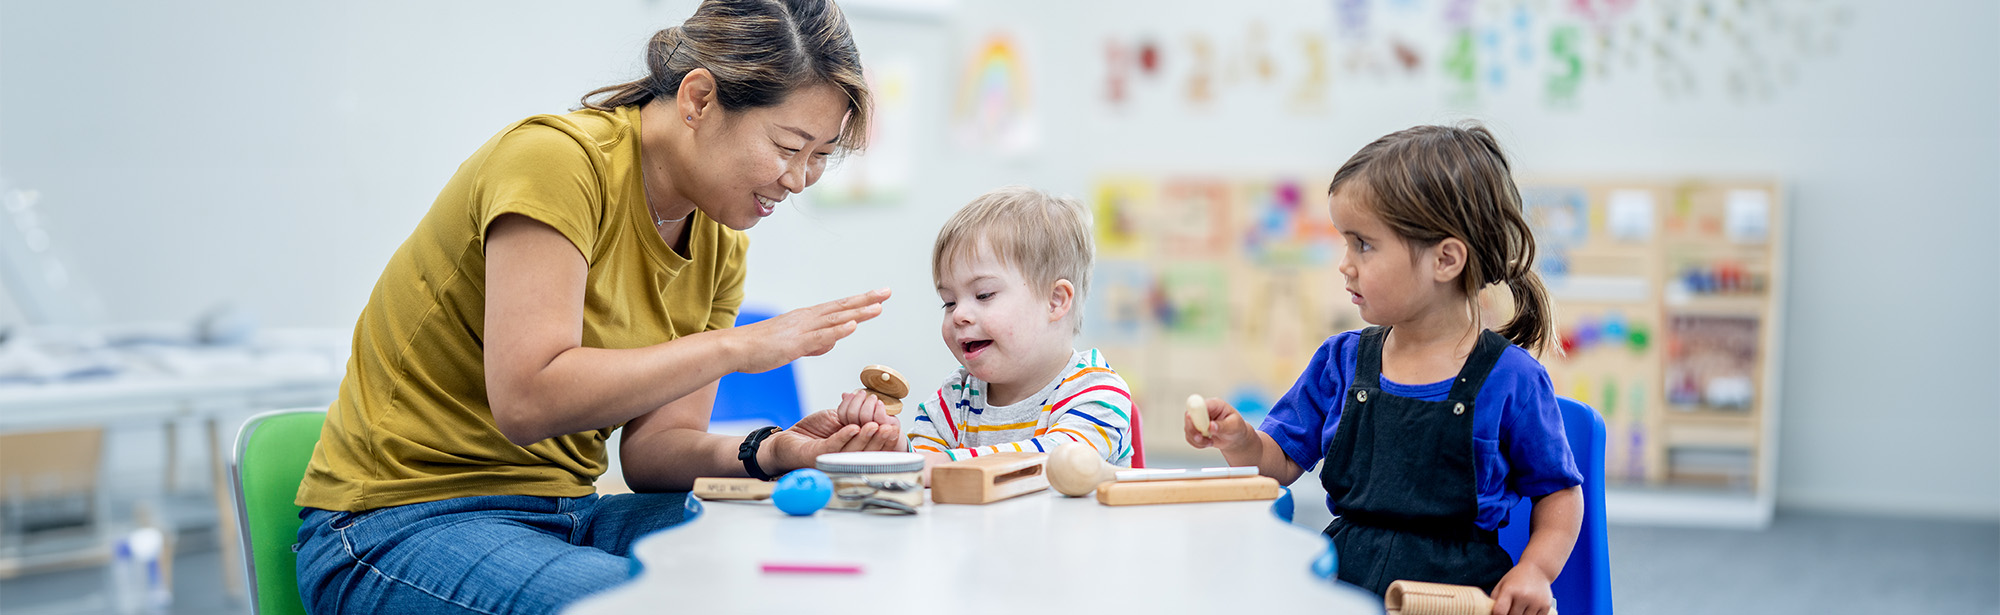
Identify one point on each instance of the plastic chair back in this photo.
(265, 470)
(771, 396)
(1138, 438)
(1584, 587)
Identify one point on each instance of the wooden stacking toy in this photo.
(988, 478)
(888, 385)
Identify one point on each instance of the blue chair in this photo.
(1584, 587)
(770, 396)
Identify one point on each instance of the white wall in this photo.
(274, 154)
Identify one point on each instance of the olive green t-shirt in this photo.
(411, 423)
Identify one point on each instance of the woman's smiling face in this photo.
(752, 159)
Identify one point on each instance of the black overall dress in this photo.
(1401, 475)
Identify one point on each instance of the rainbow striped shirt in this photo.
(1087, 403)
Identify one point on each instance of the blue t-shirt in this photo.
(1519, 448)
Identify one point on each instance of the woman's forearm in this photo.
(670, 459)
(589, 388)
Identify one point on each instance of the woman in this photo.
(578, 274)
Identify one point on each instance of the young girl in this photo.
(1431, 426)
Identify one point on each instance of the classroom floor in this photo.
(1804, 563)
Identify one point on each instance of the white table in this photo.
(1038, 552)
(166, 401)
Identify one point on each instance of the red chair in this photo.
(1138, 442)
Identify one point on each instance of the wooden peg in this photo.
(1198, 413)
(989, 478)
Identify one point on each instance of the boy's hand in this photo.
(824, 432)
(1226, 428)
(1524, 591)
(863, 409)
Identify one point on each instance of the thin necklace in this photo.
(661, 222)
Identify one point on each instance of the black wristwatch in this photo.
(747, 452)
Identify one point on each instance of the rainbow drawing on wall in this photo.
(995, 108)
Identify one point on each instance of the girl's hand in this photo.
(1226, 428)
(1524, 591)
(805, 332)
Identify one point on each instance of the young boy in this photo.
(1012, 268)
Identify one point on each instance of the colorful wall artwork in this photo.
(880, 175)
(1212, 285)
(993, 108)
(1553, 51)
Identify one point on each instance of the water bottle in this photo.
(137, 583)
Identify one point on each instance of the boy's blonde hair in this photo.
(1044, 237)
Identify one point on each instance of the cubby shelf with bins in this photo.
(1668, 293)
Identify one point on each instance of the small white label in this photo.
(1629, 215)
(1748, 218)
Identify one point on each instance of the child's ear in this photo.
(1450, 259)
(1062, 299)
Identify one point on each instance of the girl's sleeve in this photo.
(1298, 420)
(1093, 407)
(1531, 436)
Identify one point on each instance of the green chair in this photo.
(264, 473)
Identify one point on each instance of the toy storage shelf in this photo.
(1668, 290)
(1667, 293)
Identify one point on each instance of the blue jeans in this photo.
(492, 555)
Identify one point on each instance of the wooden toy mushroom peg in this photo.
(887, 385)
(1076, 469)
(1198, 414)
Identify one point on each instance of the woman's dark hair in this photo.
(1429, 183)
(759, 51)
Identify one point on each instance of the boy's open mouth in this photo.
(970, 347)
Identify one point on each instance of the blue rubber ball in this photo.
(802, 492)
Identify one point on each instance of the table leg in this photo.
(226, 532)
(173, 482)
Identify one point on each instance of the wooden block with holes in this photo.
(1184, 491)
(988, 479)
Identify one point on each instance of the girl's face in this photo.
(748, 161)
(1390, 282)
(999, 326)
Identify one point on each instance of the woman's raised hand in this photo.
(805, 332)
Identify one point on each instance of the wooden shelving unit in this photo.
(1669, 293)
